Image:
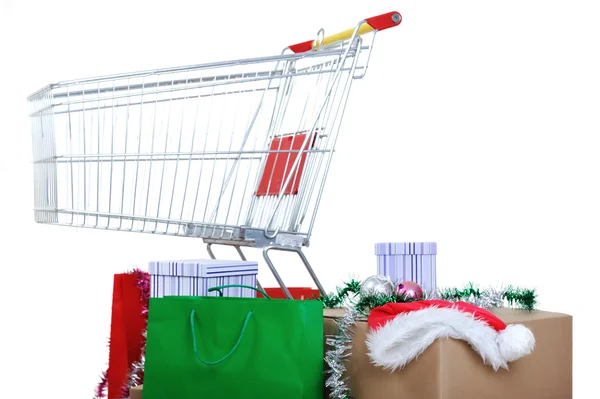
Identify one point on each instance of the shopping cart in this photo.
(236, 153)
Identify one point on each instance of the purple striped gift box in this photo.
(408, 261)
(195, 277)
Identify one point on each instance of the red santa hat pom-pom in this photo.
(402, 331)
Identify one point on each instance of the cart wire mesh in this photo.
(208, 150)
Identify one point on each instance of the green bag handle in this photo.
(219, 288)
(192, 318)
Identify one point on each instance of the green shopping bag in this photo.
(234, 348)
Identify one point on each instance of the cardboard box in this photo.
(136, 392)
(451, 369)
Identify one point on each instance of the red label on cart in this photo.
(280, 165)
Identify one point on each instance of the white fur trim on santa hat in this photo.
(515, 341)
(396, 343)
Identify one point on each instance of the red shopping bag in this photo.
(296, 292)
(126, 332)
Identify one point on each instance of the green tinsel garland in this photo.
(510, 296)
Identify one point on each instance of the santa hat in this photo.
(402, 331)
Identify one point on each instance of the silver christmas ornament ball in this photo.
(377, 285)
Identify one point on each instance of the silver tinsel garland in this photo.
(135, 373)
(489, 298)
(340, 345)
(137, 370)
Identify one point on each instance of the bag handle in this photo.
(192, 322)
(219, 288)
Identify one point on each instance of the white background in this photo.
(481, 122)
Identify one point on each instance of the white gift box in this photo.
(195, 277)
(408, 261)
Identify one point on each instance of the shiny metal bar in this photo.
(206, 66)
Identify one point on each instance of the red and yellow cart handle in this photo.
(378, 23)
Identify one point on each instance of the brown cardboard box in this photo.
(451, 369)
(135, 392)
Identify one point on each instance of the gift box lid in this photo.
(202, 268)
(406, 248)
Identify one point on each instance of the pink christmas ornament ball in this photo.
(409, 289)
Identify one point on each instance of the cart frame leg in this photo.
(239, 251)
(304, 260)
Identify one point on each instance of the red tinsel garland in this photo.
(102, 386)
(136, 374)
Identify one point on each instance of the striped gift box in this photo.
(195, 277)
(408, 261)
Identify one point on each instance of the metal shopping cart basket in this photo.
(235, 153)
